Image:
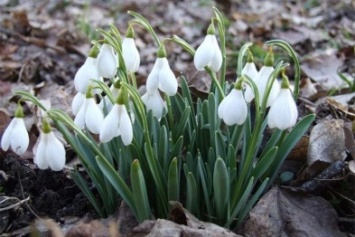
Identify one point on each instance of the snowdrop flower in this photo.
(208, 53)
(50, 151)
(117, 122)
(250, 71)
(233, 108)
(263, 78)
(155, 103)
(87, 72)
(16, 135)
(90, 114)
(283, 112)
(107, 61)
(130, 52)
(162, 76)
(77, 102)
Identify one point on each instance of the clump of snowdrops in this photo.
(163, 145)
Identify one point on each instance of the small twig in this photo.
(14, 205)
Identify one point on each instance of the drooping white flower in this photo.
(233, 108)
(90, 116)
(130, 52)
(262, 81)
(208, 53)
(50, 151)
(77, 102)
(162, 76)
(117, 123)
(283, 112)
(250, 71)
(85, 74)
(16, 137)
(107, 61)
(155, 103)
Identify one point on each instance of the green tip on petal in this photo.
(89, 93)
(122, 97)
(46, 127)
(250, 57)
(285, 83)
(239, 83)
(94, 51)
(130, 32)
(211, 30)
(269, 59)
(19, 111)
(161, 52)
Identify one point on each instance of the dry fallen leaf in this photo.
(327, 142)
(323, 68)
(187, 225)
(286, 213)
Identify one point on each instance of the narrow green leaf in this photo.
(139, 191)
(237, 206)
(221, 190)
(192, 194)
(173, 181)
(287, 145)
(204, 183)
(82, 184)
(117, 182)
(252, 201)
(264, 163)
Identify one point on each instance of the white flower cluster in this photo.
(283, 111)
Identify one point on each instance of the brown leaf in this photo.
(193, 227)
(322, 68)
(327, 142)
(286, 213)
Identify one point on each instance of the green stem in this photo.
(215, 81)
(134, 80)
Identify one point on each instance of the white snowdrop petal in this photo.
(223, 106)
(109, 127)
(154, 102)
(86, 72)
(93, 116)
(204, 53)
(262, 79)
(80, 117)
(125, 126)
(274, 92)
(19, 137)
(152, 83)
(236, 110)
(77, 102)
(55, 153)
(6, 137)
(40, 157)
(130, 54)
(167, 79)
(284, 105)
(250, 70)
(107, 61)
(216, 61)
